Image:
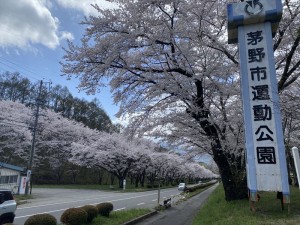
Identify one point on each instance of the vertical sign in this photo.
(22, 186)
(252, 24)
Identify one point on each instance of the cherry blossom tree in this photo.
(15, 135)
(62, 143)
(138, 171)
(56, 137)
(55, 134)
(112, 152)
(157, 66)
(174, 74)
(291, 123)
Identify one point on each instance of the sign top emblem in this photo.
(253, 7)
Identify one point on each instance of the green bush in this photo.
(198, 186)
(152, 185)
(41, 219)
(74, 216)
(92, 212)
(105, 208)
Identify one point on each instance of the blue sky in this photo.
(32, 34)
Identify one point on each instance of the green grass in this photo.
(22, 199)
(119, 217)
(268, 210)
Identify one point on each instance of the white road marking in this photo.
(57, 211)
(141, 203)
(120, 209)
(121, 199)
(41, 213)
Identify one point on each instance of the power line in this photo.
(20, 66)
(24, 68)
(16, 70)
(15, 66)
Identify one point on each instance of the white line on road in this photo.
(154, 200)
(41, 213)
(38, 206)
(121, 199)
(120, 209)
(53, 211)
(141, 203)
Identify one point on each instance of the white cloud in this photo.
(66, 35)
(85, 5)
(28, 22)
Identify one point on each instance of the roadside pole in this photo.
(29, 168)
(297, 162)
(158, 193)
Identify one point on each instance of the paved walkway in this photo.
(182, 213)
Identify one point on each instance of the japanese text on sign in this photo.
(262, 110)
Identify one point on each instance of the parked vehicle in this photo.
(8, 207)
(181, 187)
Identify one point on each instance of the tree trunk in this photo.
(234, 179)
(234, 182)
(142, 179)
(136, 181)
(99, 179)
(112, 179)
(235, 187)
(121, 182)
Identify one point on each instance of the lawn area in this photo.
(268, 210)
(119, 217)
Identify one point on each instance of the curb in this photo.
(138, 219)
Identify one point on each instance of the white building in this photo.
(10, 177)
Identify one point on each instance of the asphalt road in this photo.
(55, 201)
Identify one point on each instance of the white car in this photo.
(181, 187)
(8, 207)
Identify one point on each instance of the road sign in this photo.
(252, 24)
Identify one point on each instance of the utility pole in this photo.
(29, 168)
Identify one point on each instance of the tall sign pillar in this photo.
(252, 24)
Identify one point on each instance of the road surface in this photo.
(56, 201)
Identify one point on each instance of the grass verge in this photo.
(22, 199)
(120, 217)
(268, 210)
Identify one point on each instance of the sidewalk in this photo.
(181, 214)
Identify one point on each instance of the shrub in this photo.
(41, 219)
(105, 208)
(92, 212)
(74, 216)
(152, 185)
